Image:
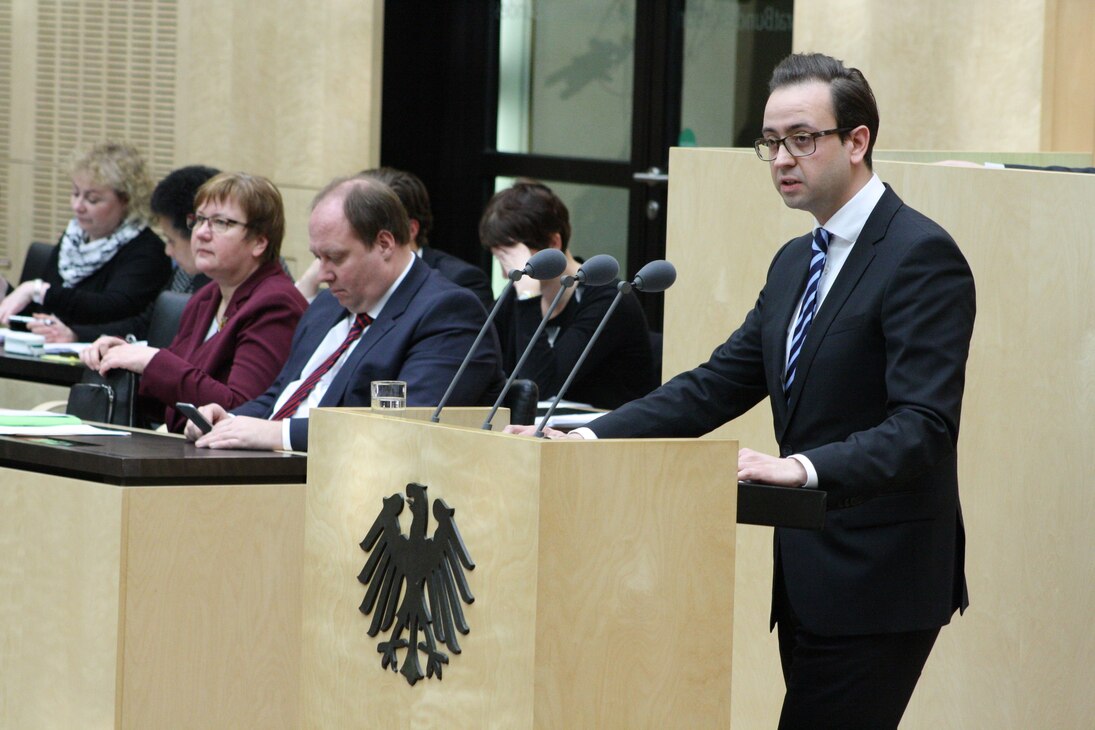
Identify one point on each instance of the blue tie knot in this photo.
(821, 240)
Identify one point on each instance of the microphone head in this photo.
(656, 276)
(599, 270)
(546, 264)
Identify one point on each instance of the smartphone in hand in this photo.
(191, 412)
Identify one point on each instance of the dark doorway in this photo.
(591, 101)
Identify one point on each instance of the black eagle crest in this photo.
(412, 566)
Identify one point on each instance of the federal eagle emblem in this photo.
(402, 570)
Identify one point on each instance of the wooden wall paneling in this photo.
(946, 77)
(1069, 76)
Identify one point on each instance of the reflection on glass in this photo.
(598, 221)
(565, 77)
(730, 49)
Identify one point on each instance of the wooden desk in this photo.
(148, 459)
(146, 583)
(37, 370)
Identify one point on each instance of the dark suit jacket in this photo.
(421, 336)
(122, 287)
(875, 406)
(459, 271)
(239, 362)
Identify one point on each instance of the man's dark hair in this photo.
(853, 101)
(370, 207)
(173, 198)
(412, 192)
(529, 213)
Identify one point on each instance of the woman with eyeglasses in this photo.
(235, 332)
(109, 264)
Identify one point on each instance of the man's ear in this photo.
(414, 229)
(857, 142)
(386, 241)
(556, 241)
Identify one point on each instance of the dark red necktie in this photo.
(290, 406)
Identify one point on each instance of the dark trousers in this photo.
(848, 682)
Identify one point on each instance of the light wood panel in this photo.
(1020, 657)
(603, 580)
(1001, 75)
(60, 546)
(212, 609)
(278, 88)
(148, 607)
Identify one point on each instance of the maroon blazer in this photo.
(239, 362)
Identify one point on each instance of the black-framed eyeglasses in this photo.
(799, 144)
(219, 224)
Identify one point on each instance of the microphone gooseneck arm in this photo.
(546, 264)
(564, 283)
(656, 276)
(622, 288)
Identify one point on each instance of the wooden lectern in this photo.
(603, 579)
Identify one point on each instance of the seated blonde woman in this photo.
(109, 264)
(235, 332)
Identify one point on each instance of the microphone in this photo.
(546, 264)
(597, 271)
(656, 276)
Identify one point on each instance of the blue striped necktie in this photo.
(819, 250)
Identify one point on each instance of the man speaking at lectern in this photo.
(385, 315)
(859, 338)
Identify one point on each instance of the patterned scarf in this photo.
(79, 258)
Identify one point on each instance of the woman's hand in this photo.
(515, 257)
(17, 301)
(53, 329)
(92, 355)
(308, 283)
(134, 358)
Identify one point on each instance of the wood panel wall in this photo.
(283, 89)
(993, 75)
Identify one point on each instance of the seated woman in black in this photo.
(109, 264)
(517, 223)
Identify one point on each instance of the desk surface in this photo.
(148, 459)
(37, 370)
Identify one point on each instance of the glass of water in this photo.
(388, 395)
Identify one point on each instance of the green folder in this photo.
(46, 419)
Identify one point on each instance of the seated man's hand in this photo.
(240, 432)
(213, 412)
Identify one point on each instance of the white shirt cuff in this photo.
(811, 472)
(585, 433)
(286, 437)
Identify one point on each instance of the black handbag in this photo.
(109, 398)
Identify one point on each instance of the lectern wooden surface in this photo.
(603, 582)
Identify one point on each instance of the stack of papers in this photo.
(45, 423)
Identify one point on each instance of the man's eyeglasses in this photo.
(219, 224)
(799, 144)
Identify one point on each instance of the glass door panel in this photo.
(566, 78)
